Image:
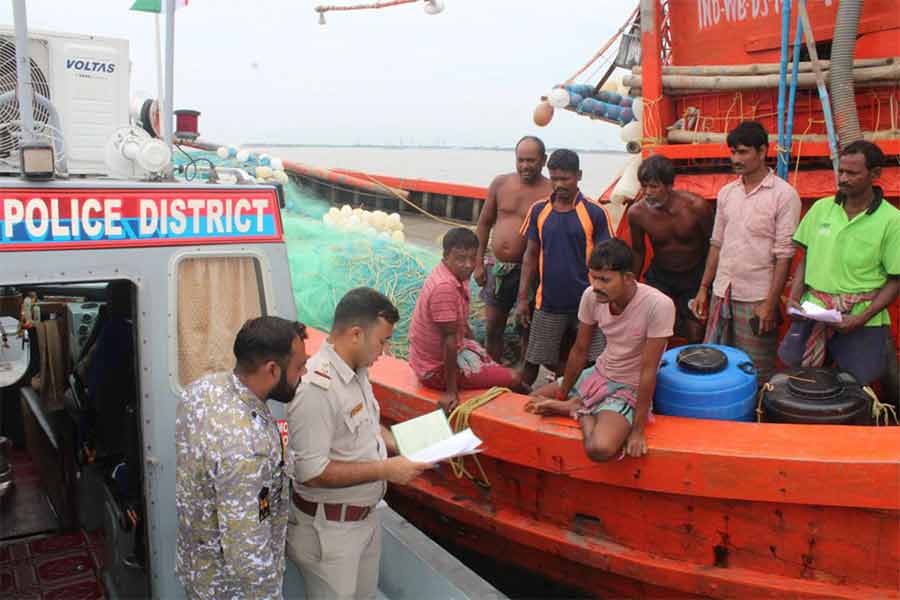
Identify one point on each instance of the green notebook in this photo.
(421, 432)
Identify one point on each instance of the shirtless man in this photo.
(508, 200)
(679, 225)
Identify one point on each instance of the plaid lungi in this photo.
(546, 334)
(729, 325)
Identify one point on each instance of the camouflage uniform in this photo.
(229, 492)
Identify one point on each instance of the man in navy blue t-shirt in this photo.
(561, 230)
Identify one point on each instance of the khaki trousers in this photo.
(338, 560)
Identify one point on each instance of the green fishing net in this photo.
(326, 263)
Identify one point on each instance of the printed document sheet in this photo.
(814, 312)
(428, 438)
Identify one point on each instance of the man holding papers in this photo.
(852, 266)
(339, 454)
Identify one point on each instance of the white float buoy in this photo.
(632, 132)
(637, 106)
(558, 98)
(434, 7)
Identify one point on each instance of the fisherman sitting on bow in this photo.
(442, 353)
(611, 400)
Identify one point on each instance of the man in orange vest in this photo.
(561, 232)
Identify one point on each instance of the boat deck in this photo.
(726, 509)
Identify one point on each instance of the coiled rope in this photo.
(459, 421)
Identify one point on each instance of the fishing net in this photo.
(326, 263)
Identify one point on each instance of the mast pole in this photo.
(23, 72)
(167, 99)
(657, 108)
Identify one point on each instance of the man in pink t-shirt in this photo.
(442, 353)
(611, 400)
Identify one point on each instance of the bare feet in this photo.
(540, 405)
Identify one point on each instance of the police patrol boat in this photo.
(120, 285)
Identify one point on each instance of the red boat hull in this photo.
(716, 509)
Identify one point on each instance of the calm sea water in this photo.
(470, 167)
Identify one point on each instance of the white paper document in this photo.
(428, 438)
(463, 443)
(814, 312)
(420, 432)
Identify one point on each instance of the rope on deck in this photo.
(459, 421)
(880, 410)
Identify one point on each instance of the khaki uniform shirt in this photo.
(229, 492)
(334, 416)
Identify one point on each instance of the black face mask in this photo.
(283, 391)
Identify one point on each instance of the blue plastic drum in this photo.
(706, 381)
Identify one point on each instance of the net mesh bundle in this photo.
(326, 263)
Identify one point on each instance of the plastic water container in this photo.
(706, 381)
(816, 396)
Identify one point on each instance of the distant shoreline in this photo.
(424, 147)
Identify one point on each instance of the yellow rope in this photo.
(766, 387)
(881, 410)
(459, 421)
(651, 123)
(418, 208)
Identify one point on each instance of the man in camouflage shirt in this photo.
(229, 481)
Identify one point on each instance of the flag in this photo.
(155, 6)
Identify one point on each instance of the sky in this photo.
(266, 71)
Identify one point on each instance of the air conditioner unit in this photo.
(85, 77)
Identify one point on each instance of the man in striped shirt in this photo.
(442, 353)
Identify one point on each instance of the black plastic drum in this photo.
(816, 397)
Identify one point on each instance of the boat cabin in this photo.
(113, 296)
(134, 291)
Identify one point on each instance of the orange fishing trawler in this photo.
(717, 509)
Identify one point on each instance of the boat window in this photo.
(216, 294)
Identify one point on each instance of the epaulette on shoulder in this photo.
(321, 376)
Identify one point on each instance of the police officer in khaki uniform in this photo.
(230, 492)
(339, 454)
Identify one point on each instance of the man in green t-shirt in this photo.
(852, 264)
